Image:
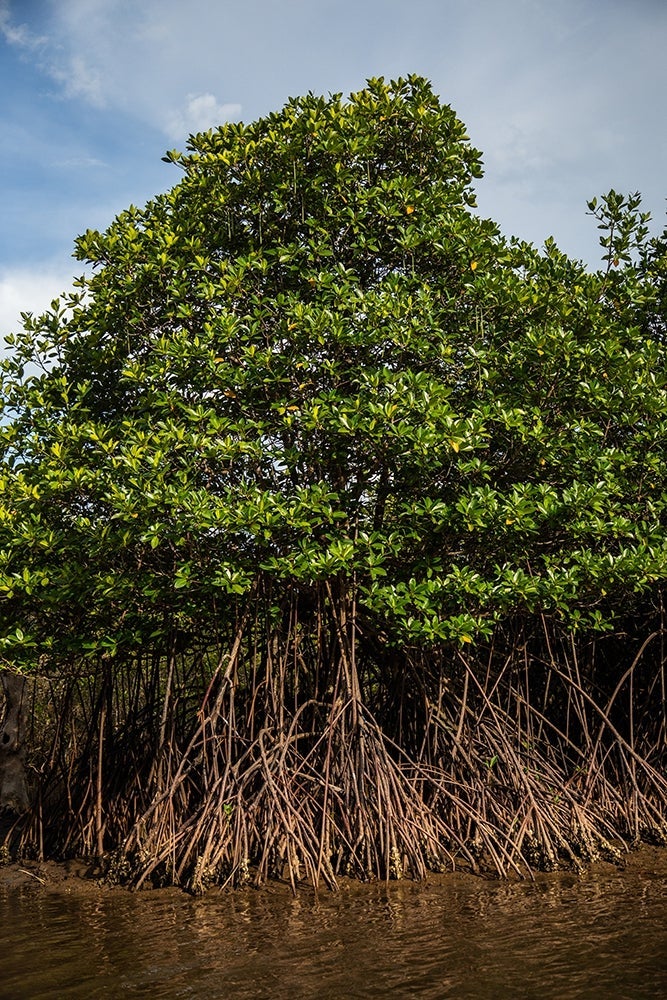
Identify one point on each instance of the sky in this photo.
(565, 98)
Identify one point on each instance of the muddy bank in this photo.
(79, 876)
(86, 878)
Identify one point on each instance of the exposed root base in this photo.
(530, 768)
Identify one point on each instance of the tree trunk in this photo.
(13, 784)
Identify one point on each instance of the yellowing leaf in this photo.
(473, 265)
(465, 638)
(455, 445)
(409, 209)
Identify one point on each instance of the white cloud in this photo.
(18, 34)
(29, 289)
(564, 99)
(79, 162)
(138, 58)
(78, 79)
(202, 111)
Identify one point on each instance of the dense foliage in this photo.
(315, 437)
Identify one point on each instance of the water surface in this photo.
(602, 934)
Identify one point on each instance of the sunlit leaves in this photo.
(310, 361)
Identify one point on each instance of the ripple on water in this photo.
(601, 935)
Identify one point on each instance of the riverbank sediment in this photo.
(87, 877)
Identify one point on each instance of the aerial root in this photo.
(506, 769)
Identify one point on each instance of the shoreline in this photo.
(84, 878)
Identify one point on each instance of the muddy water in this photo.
(603, 934)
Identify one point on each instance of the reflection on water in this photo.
(603, 935)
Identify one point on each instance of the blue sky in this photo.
(565, 98)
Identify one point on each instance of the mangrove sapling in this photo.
(326, 497)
